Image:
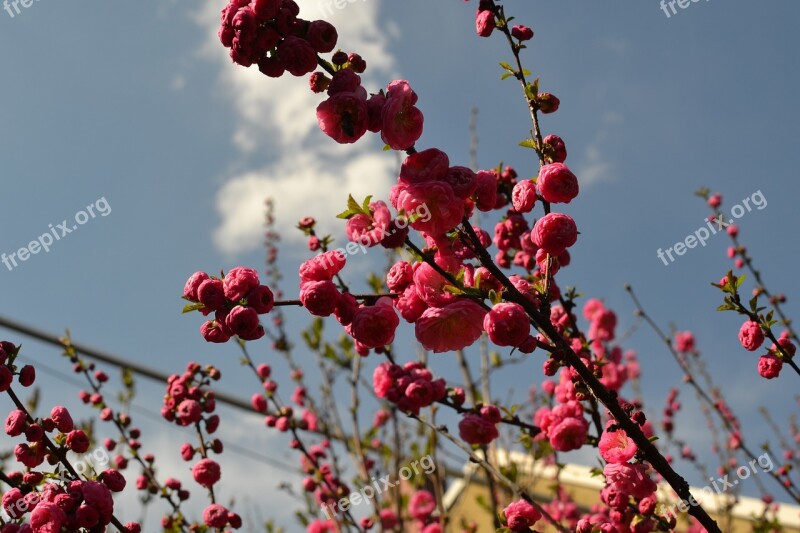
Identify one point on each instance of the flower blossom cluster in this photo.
(189, 402)
(236, 301)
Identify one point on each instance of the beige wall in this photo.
(584, 494)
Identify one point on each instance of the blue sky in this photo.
(138, 104)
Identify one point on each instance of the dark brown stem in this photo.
(606, 397)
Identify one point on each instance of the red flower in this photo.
(475, 429)
(343, 117)
(402, 121)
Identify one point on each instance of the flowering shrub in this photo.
(445, 280)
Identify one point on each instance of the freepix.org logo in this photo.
(56, 233)
(715, 225)
(12, 7)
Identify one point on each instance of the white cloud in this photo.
(303, 185)
(305, 172)
(593, 167)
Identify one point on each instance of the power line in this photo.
(152, 415)
(110, 359)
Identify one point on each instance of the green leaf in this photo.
(507, 67)
(529, 143)
(353, 208)
(193, 307)
(532, 89)
(703, 192)
(347, 214)
(506, 75)
(452, 289)
(352, 204)
(754, 304)
(365, 204)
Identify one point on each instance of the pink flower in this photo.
(77, 441)
(402, 121)
(491, 413)
(421, 505)
(684, 341)
(27, 375)
(114, 480)
(523, 196)
(261, 299)
(452, 327)
(343, 117)
(769, 366)
(555, 148)
(591, 308)
(98, 496)
(319, 297)
(557, 183)
(375, 105)
(213, 331)
(786, 346)
(484, 23)
(11, 499)
(187, 451)
(370, 230)
(388, 519)
(428, 165)
(383, 378)
(434, 205)
(548, 103)
(62, 419)
(554, 232)
(521, 516)
(751, 336)
(265, 9)
(617, 447)
(211, 293)
(319, 526)
(318, 82)
(322, 36)
(242, 321)
(15, 423)
(431, 285)
(47, 517)
(629, 479)
(215, 516)
(238, 282)
(603, 324)
(463, 181)
(569, 434)
(194, 281)
(206, 472)
(189, 412)
(400, 276)
(486, 192)
(523, 33)
(475, 429)
(374, 326)
(297, 56)
(410, 305)
(344, 81)
(346, 309)
(322, 267)
(507, 324)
